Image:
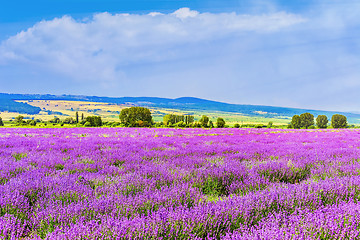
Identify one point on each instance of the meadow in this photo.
(128, 183)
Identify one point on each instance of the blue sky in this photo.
(300, 53)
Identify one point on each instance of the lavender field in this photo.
(179, 184)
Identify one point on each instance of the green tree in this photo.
(19, 120)
(69, 120)
(338, 121)
(220, 122)
(204, 120)
(77, 117)
(236, 125)
(189, 119)
(136, 117)
(307, 120)
(82, 117)
(211, 124)
(296, 122)
(1, 122)
(322, 121)
(95, 121)
(55, 120)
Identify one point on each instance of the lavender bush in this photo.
(179, 184)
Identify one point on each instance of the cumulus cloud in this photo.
(308, 60)
(100, 49)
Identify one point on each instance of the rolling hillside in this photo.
(25, 104)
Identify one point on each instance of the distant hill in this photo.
(7, 103)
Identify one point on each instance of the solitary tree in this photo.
(1, 122)
(82, 117)
(338, 121)
(322, 121)
(136, 117)
(77, 117)
(220, 122)
(204, 121)
(296, 122)
(307, 120)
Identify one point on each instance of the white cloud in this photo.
(185, 13)
(101, 48)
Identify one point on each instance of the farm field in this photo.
(128, 183)
(111, 111)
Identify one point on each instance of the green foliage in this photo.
(136, 117)
(181, 124)
(322, 121)
(338, 121)
(95, 121)
(19, 120)
(189, 119)
(55, 120)
(220, 122)
(32, 122)
(236, 125)
(59, 166)
(211, 124)
(87, 124)
(204, 121)
(307, 120)
(296, 122)
(77, 117)
(19, 156)
(69, 120)
(171, 119)
(270, 125)
(1, 122)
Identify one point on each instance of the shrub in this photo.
(220, 123)
(236, 125)
(1, 122)
(180, 124)
(32, 123)
(87, 124)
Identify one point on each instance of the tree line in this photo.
(141, 117)
(306, 121)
